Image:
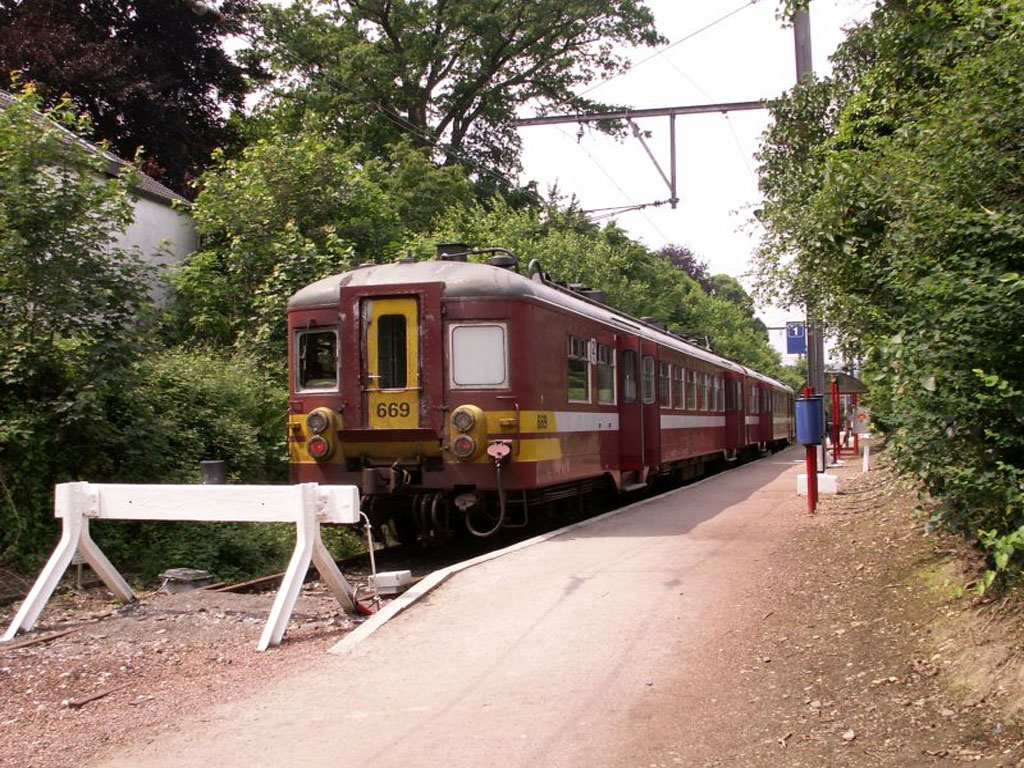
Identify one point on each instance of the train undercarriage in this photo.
(433, 517)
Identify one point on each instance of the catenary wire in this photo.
(670, 46)
(632, 206)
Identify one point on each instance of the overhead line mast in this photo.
(630, 115)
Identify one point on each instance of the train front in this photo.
(367, 400)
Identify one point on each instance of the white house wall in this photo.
(162, 235)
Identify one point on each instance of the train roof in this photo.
(473, 280)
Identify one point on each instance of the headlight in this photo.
(463, 420)
(464, 446)
(317, 421)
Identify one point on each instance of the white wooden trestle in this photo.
(306, 505)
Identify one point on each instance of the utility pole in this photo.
(815, 336)
(804, 69)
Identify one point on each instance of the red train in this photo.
(457, 393)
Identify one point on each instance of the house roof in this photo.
(145, 186)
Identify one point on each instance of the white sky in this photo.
(746, 57)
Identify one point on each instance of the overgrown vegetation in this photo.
(86, 389)
(72, 314)
(895, 207)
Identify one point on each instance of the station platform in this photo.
(599, 646)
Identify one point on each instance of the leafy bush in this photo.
(187, 406)
(72, 315)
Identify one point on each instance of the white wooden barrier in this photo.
(306, 505)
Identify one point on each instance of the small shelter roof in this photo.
(848, 385)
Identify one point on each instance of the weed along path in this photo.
(717, 625)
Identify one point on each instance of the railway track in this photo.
(396, 557)
(421, 561)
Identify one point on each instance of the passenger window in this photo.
(478, 356)
(317, 359)
(691, 390)
(628, 376)
(391, 352)
(647, 384)
(678, 387)
(579, 371)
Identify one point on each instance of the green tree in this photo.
(151, 73)
(449, 74)
(288, 211)
(71, 305)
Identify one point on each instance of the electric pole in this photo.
(805, 69)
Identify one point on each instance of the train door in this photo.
(631, 438)
(766, 423)
(735, 421)
(649, 404)
(391, 359)
(639, 424)
(751, 418)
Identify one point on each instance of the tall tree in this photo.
(450, 74)
(151, 73)
(289, 210)
(681, 257)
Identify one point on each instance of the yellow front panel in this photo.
(392, 407)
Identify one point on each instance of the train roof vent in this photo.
(452, 251)
(503, 260)
(595, 295)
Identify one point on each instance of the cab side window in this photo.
(316, 352)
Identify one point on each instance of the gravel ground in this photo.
(870, 652)
(148, 663)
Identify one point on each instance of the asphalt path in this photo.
(612, 644)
